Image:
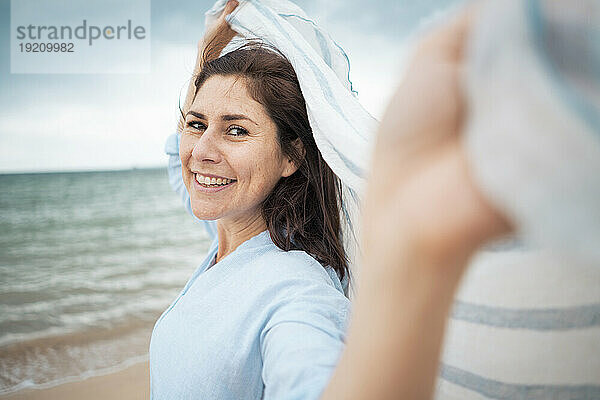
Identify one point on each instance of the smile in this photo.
(212, 182)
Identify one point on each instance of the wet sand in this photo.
(132, 383)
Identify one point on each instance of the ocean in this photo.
(88, 262)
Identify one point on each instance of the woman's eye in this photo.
(237, 131)
(199, 126)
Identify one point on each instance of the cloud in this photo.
(56, 122)
(108, 127)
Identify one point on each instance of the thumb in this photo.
(449, 39)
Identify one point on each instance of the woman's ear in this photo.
(290, 166)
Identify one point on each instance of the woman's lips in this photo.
(211, 184)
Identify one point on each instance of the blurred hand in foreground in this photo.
(422, 219)
(420, 189)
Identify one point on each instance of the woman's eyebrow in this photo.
(226, 117)
(236, 117)
(195, 114)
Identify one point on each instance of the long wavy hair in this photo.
(303, 210)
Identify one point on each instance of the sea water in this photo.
(88, 262)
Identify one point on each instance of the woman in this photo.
(258, 321)
(264, 315)
(423, 219)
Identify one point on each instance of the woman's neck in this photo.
(232, 233)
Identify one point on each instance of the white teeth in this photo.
(205, 180)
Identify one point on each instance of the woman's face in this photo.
(230, 156)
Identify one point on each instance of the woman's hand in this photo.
(217, 35)
(422, 219)
(420, 189)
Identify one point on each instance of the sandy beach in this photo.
(132, 383)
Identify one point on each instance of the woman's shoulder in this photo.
(299, 288)
(288, 285)
(293, 268)
(296, 264)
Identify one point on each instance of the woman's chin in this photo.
(206, 216)
(205, 212)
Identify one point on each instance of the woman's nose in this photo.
(206, 147)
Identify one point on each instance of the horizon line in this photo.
(67, 171)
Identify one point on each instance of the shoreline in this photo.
(131, 383)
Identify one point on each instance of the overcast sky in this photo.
(51, 122)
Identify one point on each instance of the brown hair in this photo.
(303, 210)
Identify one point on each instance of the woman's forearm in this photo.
(395, 335)
(422, 219)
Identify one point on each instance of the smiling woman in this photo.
(248, 124)
(216, 145)
(264, 315)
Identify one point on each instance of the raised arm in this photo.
(210, 46)
(423, 218)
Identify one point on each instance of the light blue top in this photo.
(262, 323)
